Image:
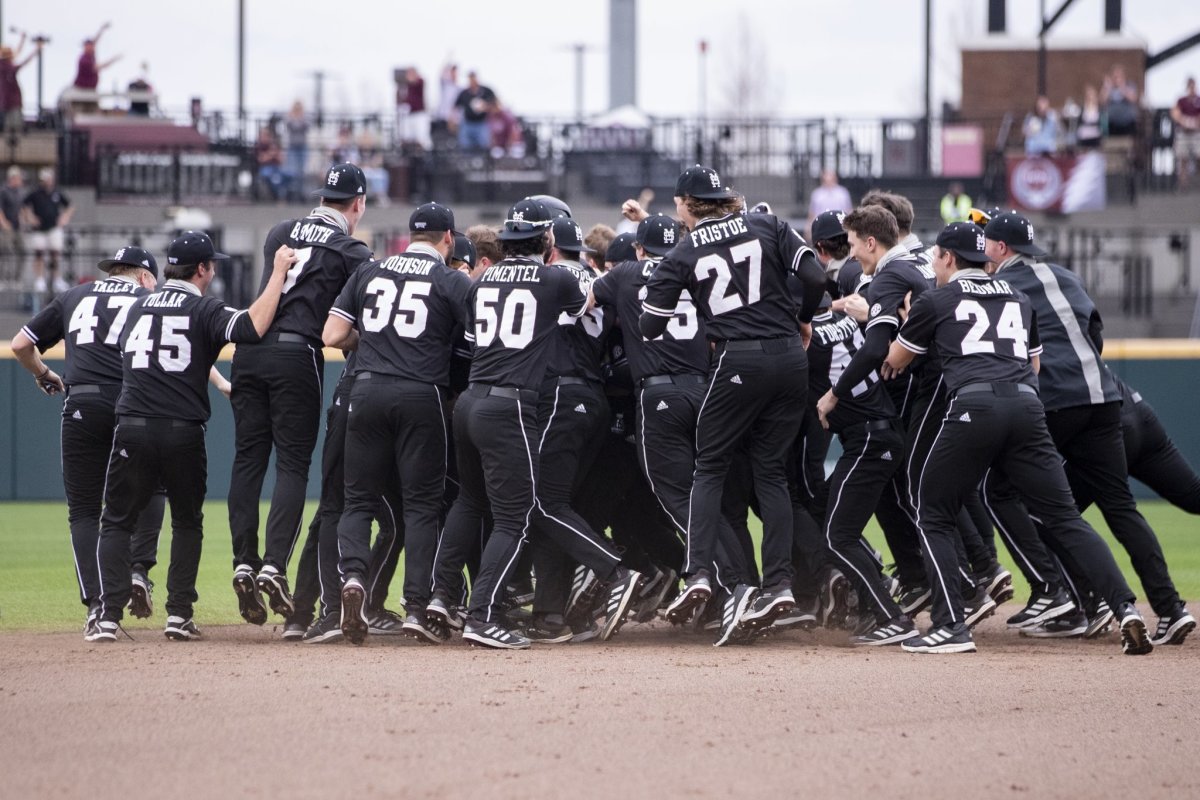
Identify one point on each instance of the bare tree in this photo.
(748, 86)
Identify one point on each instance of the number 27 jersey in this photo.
(984, 331)
(514, 310)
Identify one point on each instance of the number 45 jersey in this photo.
(90, 319)
(409, 311)
(169, 344)
(736, 269)
(514, 311)
(983, 329)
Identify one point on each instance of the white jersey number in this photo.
(748, 256)
(511, 322)
(174, 350)
(406, 310)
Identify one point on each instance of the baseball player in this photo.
(514, 311)
(277, 389)
(169, 343)
(983, 330)
(1083, 404)
(403, 316)
(89, 319)
(735, 268)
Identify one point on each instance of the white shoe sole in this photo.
(981, 613)
(1176, 633)
(180, 635)
(1054, 612)
(766, 618)
(896, 639)
(486, 641)
(328, 636)
(1135, 641)
(418, 633)
(614, 620)
(1039, 633)
(687, 604)
(964, 647)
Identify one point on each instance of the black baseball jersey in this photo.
(90, 319)
(170, 341)
(581, 339)
(682, 349)
(409, 311)
(850, 279)
(736, 269)
(513, 313)
(1073, 373)
(835, 340)
(983, 328)
(326, 258)
(896, 276)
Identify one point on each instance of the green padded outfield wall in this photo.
(1166, 372)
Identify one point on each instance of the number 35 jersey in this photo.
(409, 311)
(680, 350)
(169, 344)
(513, 315)
(983, 329)
(90, 319)
(736, 269)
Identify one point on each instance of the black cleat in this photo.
(767, 606)
(250, 604)
(327, 629)
(1042, 607)
(542, 629)
(891, 632)
(946, 639)
(141, 603)
(420, 626)
(181, 630)
(617, 599)
(1135, 641)
(489, 634)
(696, 593)
(354, 617)
(452, 617)
(733, 611)
(274, 585)
(1175, 628)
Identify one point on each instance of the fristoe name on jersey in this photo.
(90, 319)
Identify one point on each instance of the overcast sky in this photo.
(860, 58)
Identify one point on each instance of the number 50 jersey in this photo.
(514, 310)
(169, 344)
(984, 330)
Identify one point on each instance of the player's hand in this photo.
(889, 371)
(854, 305)
(285, 257)
(50, 383)
(632, 210)
(825, 407)
(903, 310)
(805, 333)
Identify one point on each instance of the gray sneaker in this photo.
(181, 630)
(327, 629)
(385, 623)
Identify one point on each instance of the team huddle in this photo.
(585, 434)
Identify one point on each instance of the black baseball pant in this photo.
(1002, 425)
(88, 423)
(1029, 551)
(276, 402)
(1089, 437)
(147, 453)
(871, 454)
(496, 439)
(394, 426)
(757, 387)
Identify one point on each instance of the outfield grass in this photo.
(38, 589)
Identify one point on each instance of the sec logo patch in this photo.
(875, 309)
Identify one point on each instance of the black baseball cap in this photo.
(431, 217)
(527, 219)
(192, 247)
(131, 257)
(621, 249)
(557, 207)
(464, 250)
(343, 182)
(702, 183)
(659, 234)
(965, 240)
(1015, 231)
(569, 236)
(828, 225)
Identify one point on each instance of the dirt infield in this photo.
(655, 713)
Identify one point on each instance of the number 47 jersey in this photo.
(169, 344)
(983, 329)
(514, 311)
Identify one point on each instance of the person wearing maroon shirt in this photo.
(87, 72)
(1186, 115)
(10, 89)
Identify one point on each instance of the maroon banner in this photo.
(1059, 184)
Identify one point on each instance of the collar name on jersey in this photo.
(512, 273)
(711, 232)
(980, 286)
(311, 232)
(407, 265)
(166, 299)
(840, 331)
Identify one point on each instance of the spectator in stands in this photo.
(371, 160)
(1186, 114)
(412, 117)
(829, 196)
(1089, 126)
(12, 197)
(11, 117)
(473, 105)
(141, 93)
(1041, 130)
(1120, 103)
(505, 132)
(598, 238)
(344, 148)
(47, 212)
(295, 126)
(87, 72)
(443, 118)
(269, 157)
(956, 204)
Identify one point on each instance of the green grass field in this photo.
(38, 589)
